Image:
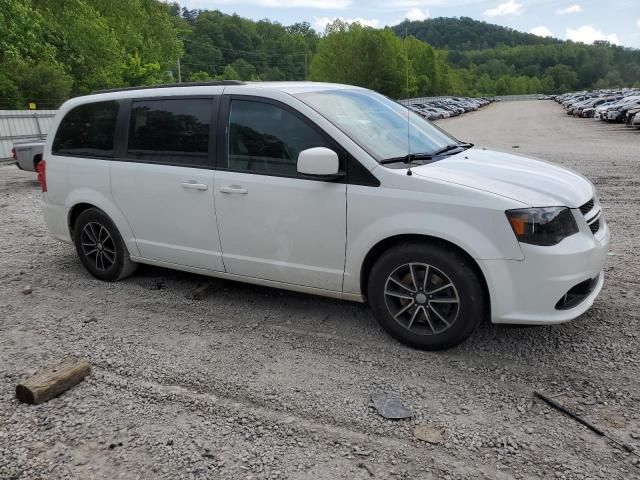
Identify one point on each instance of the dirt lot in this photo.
(250, 382)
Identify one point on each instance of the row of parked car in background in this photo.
(439, 108)
(610, 105)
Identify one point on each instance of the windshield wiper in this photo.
(450, 147)
(407, 158)
(425, 156)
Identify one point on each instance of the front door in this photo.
(164, 182)
(273, 223)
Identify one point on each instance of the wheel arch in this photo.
(78, 203)
(383, 245)
(74, 213)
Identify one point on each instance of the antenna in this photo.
(406, 53)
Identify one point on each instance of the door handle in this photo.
(195, 186)
(234, 189)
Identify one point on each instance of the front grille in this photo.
(587, 207)
(594, 220)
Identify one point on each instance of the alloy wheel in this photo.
(422, 298)
(98, 245)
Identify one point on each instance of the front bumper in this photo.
(528, 291)
(613, 115)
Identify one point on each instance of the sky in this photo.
(617, 21)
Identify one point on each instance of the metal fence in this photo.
(22, 125)
(504, 98)
(413, 101)
(518, 98)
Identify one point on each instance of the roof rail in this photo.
(170, 85)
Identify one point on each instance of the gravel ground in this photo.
(255, 383)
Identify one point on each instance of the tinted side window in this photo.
(171, 131)
(87, 130)
(264, 138)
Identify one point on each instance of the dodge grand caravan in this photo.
(327, 189)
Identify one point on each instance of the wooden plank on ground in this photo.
(51, 381)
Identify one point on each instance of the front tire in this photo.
(100, 246)
(426, 295)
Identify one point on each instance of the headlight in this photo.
(542, 226)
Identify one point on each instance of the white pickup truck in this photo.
(28, 154)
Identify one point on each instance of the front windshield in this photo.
(382, 127)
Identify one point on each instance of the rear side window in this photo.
(87, 130)
(170, 131)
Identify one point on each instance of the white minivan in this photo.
(328, 189)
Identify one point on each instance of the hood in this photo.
(535, 183)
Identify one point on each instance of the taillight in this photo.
(42, 174)
(14, 154)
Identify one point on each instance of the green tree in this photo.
(10, 96)
(84, 42)
(548, 84)
(135, 72)
(273, 74)
(564, 77)
(520, 85)
(46, 85)
(425, 65)
(23, 32)
(334, 54)
(535, 85)
(199, 76)
(229, 73)
(245, 70)
(504, 85)
(143, 28)
(614, 79)
(485, 85)
(364, 56)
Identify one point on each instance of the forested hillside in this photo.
(492, 59)
(53, 49)
(465, 33)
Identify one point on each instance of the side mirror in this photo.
(319, 163)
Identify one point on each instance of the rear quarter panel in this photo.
(72, 181)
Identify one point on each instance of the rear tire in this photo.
(100, 246)
(426, 296)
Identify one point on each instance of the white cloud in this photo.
(589, 34)
(542, 31)
(638, 22)
(508, 8)
(417, 14)
(570, 9)
(320, 23)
